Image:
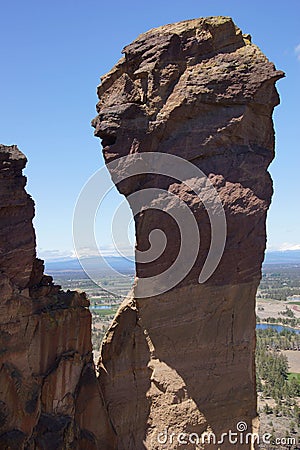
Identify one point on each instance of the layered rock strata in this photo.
(183, 360)
(49, 395)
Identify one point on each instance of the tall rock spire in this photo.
(182, 358)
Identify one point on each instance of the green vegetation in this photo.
(101, 319)
(273, 378)
(292, 323)
(294, 375)
(271, 339)
(279, 282)
(105, 312)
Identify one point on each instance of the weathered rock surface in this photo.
(184, 360)
(49, 395)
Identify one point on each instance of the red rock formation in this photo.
(49, 396)
(184, 359)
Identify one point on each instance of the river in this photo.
(279, 328)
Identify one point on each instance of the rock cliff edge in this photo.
(49, 395)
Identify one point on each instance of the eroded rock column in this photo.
(184, 360)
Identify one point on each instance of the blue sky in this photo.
(52, 55)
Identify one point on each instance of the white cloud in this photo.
(105, 251)
(53, 254)
(282, 247)
(108, 250)
(297, 51)
(288, 246)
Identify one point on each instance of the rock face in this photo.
(183, 360)
(176, 363)
(49, 396)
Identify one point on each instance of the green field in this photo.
(105, 312)
(294, 375)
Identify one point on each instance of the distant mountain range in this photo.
(105, 265)
(282, 257)
(126, 266)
